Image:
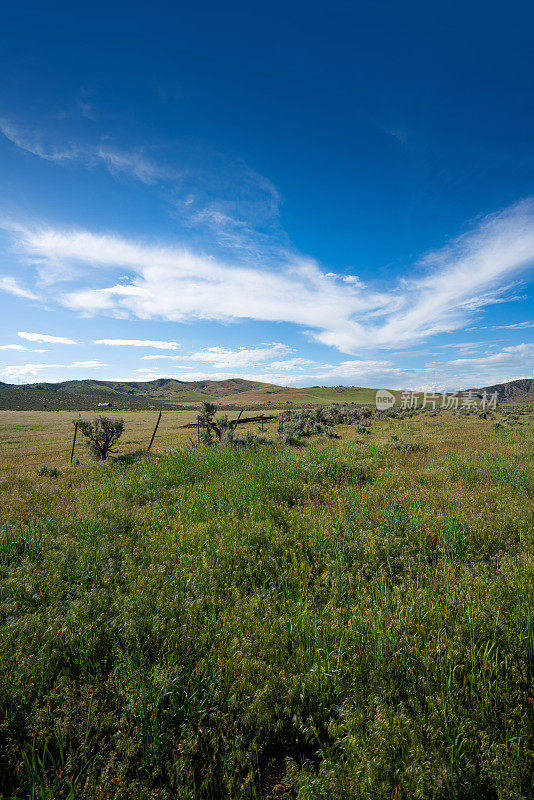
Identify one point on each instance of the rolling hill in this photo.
(169, 393)
(85, 395)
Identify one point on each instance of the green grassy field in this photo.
(348, 619)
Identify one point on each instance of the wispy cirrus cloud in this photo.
(440, 294)
(44, 338)
(470, 273)
(517, 325)
(209, 192)
(11, 285)
(205, 189)
(117, 161)
(33, 142)
(131, 162)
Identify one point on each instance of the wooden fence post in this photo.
(155, 429)
(73, 441)
(198, 429)
(235, 421)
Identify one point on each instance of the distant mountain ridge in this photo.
(160, 387)
(518, 391)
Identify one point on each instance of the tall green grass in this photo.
(335, 621)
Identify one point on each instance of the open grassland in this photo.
(29, 439)
(348, 619)
(314, 395)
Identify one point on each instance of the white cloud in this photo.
(151, 372)
(176, 284)
(352, 279)
(512, 353)
(159, 357)
(291, 363)
(30, 371)
(12, 286)
(356, 369)
(45, 338)
(158, 345)
(21, 349)
(224, 358)
(508, 364)
(88, 364)
(15, 371)
(221, 194)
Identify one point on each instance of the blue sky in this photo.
(302, 193)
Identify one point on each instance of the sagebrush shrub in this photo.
(102, 434)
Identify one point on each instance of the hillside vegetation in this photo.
(347, 619)
(169, 393)
(520, 391)
(86, 394)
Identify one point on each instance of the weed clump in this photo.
(363, 430)
(52, 472)
(409, 447)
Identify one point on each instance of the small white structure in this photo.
(104, 405)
